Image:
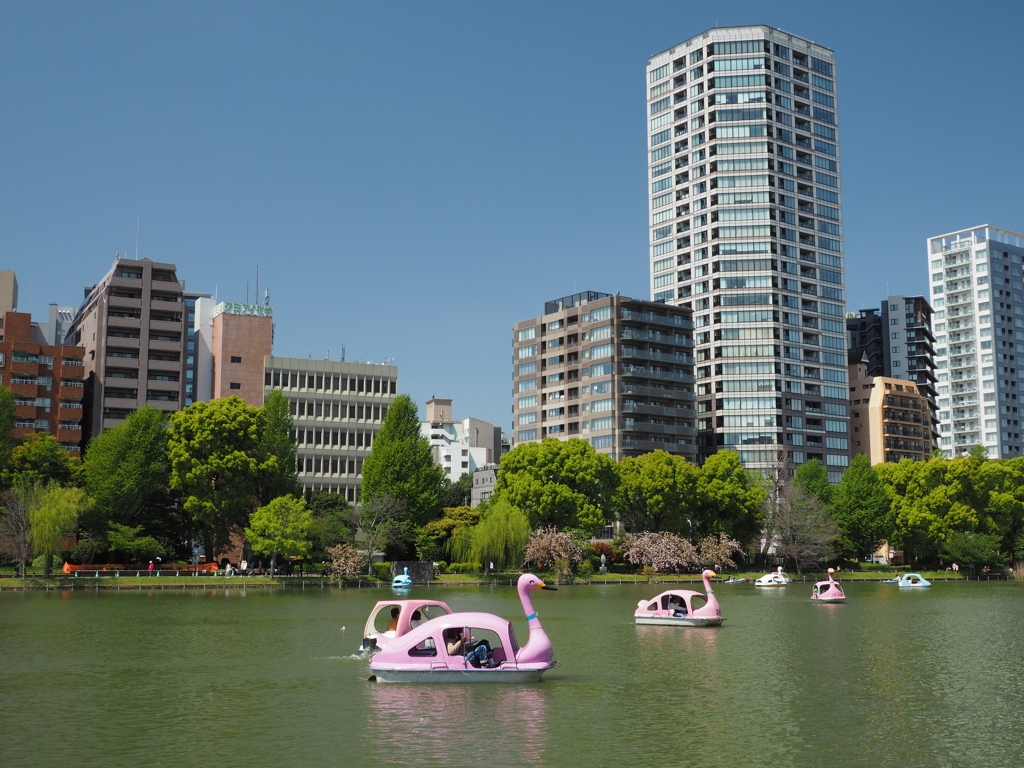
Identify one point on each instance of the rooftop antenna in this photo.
(266, 300)
(246, 291)
(256, 295)
(138, 223)
(309, 354)
(343, 353)
(327, 355)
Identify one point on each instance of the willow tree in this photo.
(54, 520)
(499, 538)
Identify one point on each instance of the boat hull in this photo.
(458, 675)
(678, 621)
(768, 585)
(828, 599)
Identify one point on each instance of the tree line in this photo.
(218, 473)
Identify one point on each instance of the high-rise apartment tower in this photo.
(133, 329)
(979, 336)
(746, 230)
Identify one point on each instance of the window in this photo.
(602, 405)
(527, 434)
(235, 359)
(608, 422)
(528, 418)
(604, 441)
(527, 402)
(527, 333)
(527, 368)
(527, 385)
(528, 351)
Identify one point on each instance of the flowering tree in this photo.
(346, 562)
(548, 545)
(718, 550)
(662, 551)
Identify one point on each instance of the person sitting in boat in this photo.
(678, 608)
(392, 626)
(477, 653)
(416, 620)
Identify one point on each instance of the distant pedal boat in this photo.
(828, 591)
(777, 578)
(914, 580)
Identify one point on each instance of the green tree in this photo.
(54, 520)
(39, 458)
(278, 475)
(401, 466)
(862, 509)
(728, 499)
(500, 537)
(281, 527)
(459, 493)
(7, 417)
(564, 484)
(331, 522)
(657, 492)
(432, 539)
(1005, 510)
(812, 478)
(974, 549)
(130, 542)
(933, 499)
(126, 473)
(213, 448)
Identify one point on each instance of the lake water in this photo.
(265, 678)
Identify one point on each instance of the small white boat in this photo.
(913, 580)
(735, 580)
(777, 578)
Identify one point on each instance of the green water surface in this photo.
(266, 678)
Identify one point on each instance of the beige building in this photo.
(134, 331)
(337, 409)
(8, 292)
(615, 371)
(890, 418)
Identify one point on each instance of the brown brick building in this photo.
(241, 341)
(47, 382)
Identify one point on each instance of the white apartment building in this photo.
(459, 447)
(979, 332)
(746, 230)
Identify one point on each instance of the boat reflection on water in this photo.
(659, 640)
(470, 725)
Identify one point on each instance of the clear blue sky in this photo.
(414, 177)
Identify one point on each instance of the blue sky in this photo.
(412, 178)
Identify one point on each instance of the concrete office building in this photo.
(337, 409)
(53, 330)
(746, 230)
(47, 382)
(608, 369)
(133, 328)
(979, 334)
(890, 419)
(460, 446)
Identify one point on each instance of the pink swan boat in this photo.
(676, 607)
(376, 636)
(828, 591)
(421, 655)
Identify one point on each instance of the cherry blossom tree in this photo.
(662, 551)
(549, 545)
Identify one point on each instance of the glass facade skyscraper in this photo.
(979, 332)
(746, 230)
